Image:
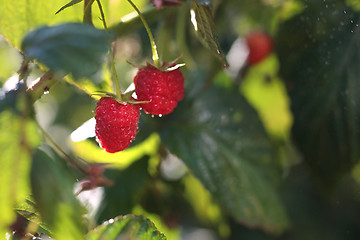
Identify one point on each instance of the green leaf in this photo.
(126, 227)
(73, 48)
(222, 141)
(124, 194)
(28, 211)
(203, 21)
(320, 63)
(71, 3)
(52, 189)
(18, 137)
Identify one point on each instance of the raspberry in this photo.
(116, 124)
(163, 89)
(260, 46)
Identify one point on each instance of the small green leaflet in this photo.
(203, 21)
(127, 227)
(73, 48)
(73, 2)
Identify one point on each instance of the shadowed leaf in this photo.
(73, 48)
(52, 189)
(224, 144)
(319, 63)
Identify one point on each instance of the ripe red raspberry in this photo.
(116, 124)
(163, 89)
(260, 46)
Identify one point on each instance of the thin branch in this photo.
(45, 82)
(87, 11)
(155, 55)
(67, 156)
(102, 13)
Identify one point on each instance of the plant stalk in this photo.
(155, 55)
(87, 11)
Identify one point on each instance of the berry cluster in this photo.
(158, 91)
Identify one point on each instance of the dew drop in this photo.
(46, 90)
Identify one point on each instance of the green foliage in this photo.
(233, 156)
(203, 21)
(227, 162)
(127, 227)
(52, 189)
(125, 193)
(18, 17)
(73, 48)
(18, 137)
(320, 63)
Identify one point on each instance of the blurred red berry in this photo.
(168, 3)
(260, 45)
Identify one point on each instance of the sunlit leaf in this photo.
(126, 227)
(52, 189)
(18, 17)
(267, 94)
(18, 137)
(28, 211)
(10, 59)
(93, 153)
(73, 48)
(203, 21)
(320, 63)
(222, 141)
(204, 205)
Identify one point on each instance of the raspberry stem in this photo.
(112, 62)
(72, 161)
(115, 78)
(87, 11)
(155, 55)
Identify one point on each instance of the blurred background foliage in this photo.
(268, 151)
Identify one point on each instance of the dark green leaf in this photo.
(222, 141)
(73, 48)
(8, 100)
(127, 227)
(52, 188)
(71, 3)
(203, 21)
(320, 63)
(124, 194)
